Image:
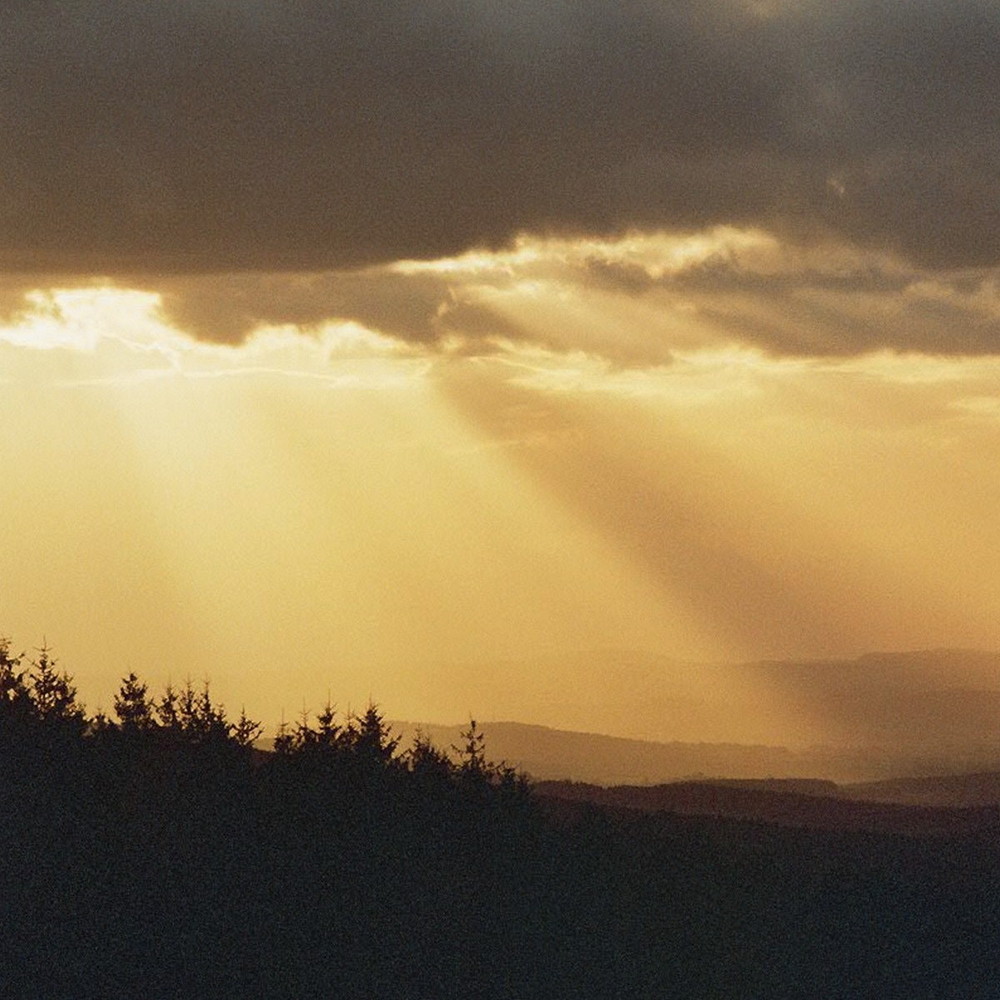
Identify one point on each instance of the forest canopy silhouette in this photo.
(158, 853)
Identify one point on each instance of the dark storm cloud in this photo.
(208, 135)
(421, 308)
(226, 308)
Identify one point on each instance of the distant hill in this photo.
(932, 701)
(962, 790)
(770, 803)
(930, 704)
(551, 754)
(546, 753)
(878, 717)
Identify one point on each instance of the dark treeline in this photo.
(156, 853)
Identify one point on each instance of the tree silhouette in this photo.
(14, 695)
(284, 740)
(372, 739)
(168, 710)
(245, 731)
(327, 732)
(52, 693)
(166, 865)
(429, 764)
(472, 752)
(200, 719)
(132, 705)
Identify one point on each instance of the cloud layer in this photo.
(211, 135)
(637, 301)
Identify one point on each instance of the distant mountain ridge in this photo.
(878, 716)
(551, 754)
(939, 704)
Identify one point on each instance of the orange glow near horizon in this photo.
(333, 510)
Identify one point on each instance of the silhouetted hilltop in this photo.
(763, 803)
(156, 854)
(978, 789)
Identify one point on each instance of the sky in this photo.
(419, 351)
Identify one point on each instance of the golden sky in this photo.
(410, 351)
(329, 508)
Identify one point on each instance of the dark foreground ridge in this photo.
(814, 805)
(159, 855)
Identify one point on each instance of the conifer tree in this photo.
(132, 705)
(245, 730)
(284, 741)
(426, 762)
(167, 710)
(187, 707)
(12, 686)
(211, 718)
(52, 692)
(198, 717)
(304, 736)
(16, 709)
(328, 731)
(472, 753)
(373, 739)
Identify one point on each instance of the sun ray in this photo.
(332, 508)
